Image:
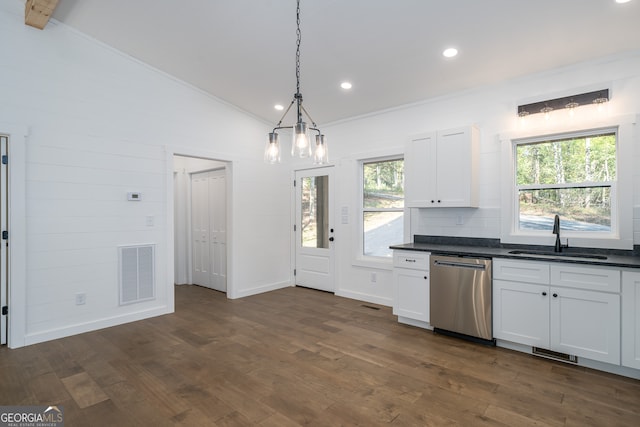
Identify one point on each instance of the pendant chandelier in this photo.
(301, 145)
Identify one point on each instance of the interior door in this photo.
(4, 273)
(209, 229)
(314, 232)
(200, 229)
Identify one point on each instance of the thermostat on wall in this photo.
(134, 197)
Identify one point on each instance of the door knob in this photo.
(331, 239)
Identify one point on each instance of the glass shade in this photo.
(300, 146)
(272, 149)
(321, 152)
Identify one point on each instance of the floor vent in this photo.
(136, 272)
(550, 354)
(370, 306)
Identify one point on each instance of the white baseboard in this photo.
(67, 331)
(259, 290)
(365, 297)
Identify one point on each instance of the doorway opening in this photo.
(201, 194)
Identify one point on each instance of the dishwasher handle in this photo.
(460, 265)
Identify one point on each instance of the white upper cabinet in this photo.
(441, 169)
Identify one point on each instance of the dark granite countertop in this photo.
(492, 248)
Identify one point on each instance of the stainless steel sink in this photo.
(558, 254)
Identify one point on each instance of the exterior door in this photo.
(4, 273)
(314, 232)
(209, 229)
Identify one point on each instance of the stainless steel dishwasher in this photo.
(460, 297)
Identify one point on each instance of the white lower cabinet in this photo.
(586, 324)
(413, 294)
(521, 313)
(565, 318)
(411, 283)
(631, 319)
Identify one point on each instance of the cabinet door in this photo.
(412, 294)
(631, 319)
(586, 323)
(456, 173)
(521, 313)
(419, 171)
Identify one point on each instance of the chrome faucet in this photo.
(556, 231)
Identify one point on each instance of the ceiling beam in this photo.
(38, 12)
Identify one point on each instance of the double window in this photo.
(382, 205)
(573, 176)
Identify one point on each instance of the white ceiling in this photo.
(243, 51)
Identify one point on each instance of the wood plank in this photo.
(84, 390)
(38, 12)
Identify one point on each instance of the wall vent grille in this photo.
(136, 265)
(550, 354)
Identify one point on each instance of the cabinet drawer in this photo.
(586, 277)
(411, 259)
(521, 271)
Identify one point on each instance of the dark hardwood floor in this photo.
(301, 357)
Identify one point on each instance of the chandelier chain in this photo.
(299, 34)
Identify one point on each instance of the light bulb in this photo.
(572, 108)
(300, 146)
(523, 117)
(547, 112)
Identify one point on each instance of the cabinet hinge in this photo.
(294, 227)
(294, 182)
(5, 310)
(5, 159)
(294, 271)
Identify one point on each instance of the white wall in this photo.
(493, 110)
(102, 124)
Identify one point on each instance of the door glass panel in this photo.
(315, 212)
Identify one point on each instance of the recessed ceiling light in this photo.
(278, 107)
(450, 52)
(623, 1)
(345, 85)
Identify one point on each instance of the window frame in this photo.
(613, 185)
(361, 210)
(621, 208)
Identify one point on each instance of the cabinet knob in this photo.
(544, 294)
(555, 295)
(438, 201)
(425, 277)
(433, 201)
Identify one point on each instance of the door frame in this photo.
(16, 219)
(294, 221)
(170, 152)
